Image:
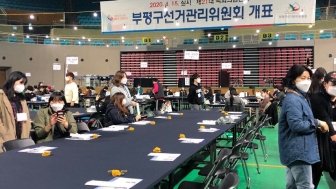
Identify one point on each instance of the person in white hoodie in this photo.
(71, 91)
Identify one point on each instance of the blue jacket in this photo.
(297, 127)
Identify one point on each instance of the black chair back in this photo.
(18, 143)
(231, 180)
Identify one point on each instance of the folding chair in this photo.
(17, 143)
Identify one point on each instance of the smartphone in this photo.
(60, 113)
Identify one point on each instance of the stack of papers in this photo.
(191, 140)
(118, 182)
(141, 122)
(208, 130)
(37, 150)
(207, 122)
(163, 156)
(115, 128)
(239, 113)
(85, 136)
(334, 124)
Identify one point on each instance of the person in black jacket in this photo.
(117, 112)
(321, 103)
(195, 96)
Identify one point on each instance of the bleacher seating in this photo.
(12, 39)
(64, 42)
(36, 5)
(203, 40)
(28, 40)
(88, 20)
(188, 41)
(48, 41)
(307, 36)
(290, 36)
(326, 35)
(97, 43)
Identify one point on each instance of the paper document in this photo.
(207, 122)
(163, 156)
(85, 136)
(141, 122)
(175, 113)
(334, 124)
(235, 113)
(138, 109)
(191, 140)
(115, 128)
(116, 183)
(208, 130)
(161, 117)
(37, 150)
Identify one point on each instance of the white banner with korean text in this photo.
(147, 15)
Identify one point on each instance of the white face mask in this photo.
(57, 107)
(198, 80)
(123, 81)
(124, 102)
(19, 88)
(303, 85)
(67, 79)
(331, 90)
(107, 93)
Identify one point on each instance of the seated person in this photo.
(139, 90)
(117, 112)
(208, 95)
(234, 103)
(167, 107)
(265, 102)
(54, 121)
(29, 93)
(183, 92)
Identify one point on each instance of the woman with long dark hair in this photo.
(297, 130)
(14, 114)
(54, 121)
(117, 112)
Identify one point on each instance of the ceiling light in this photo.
(107, 45)
(195, 40)
(27, 36)
(310, 26)
(167, 48)
(199, 48)
(321, 31)
(75, 28)
(83, 37)
(32, 17)
(57, 38)
(158, 40)
(13, 34)
(277, 35)
(47, 36)
(308, 39)
(234, 38)
(95, 14)
(209, 34)
(270, 43)
(122, 37)
(234, 46)
(257, 31)
(89, 39)
(136, 47)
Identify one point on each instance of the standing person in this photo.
(14, 114)
(54, 121)
(158, 93)
(297, 130)
(120, 85)
(71, 91)
(322, 109)
(195, 96)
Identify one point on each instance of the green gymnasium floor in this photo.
(272, 172)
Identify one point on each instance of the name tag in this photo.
(21, 117)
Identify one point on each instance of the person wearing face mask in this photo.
(195, 96)
(120, 85)
(117, 112)
(322, 109)
(54, 121)
(298, 147)
(139, 90)
(71, 91)
(14, 114)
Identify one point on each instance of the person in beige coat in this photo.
(15, 122)
(54, 121)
